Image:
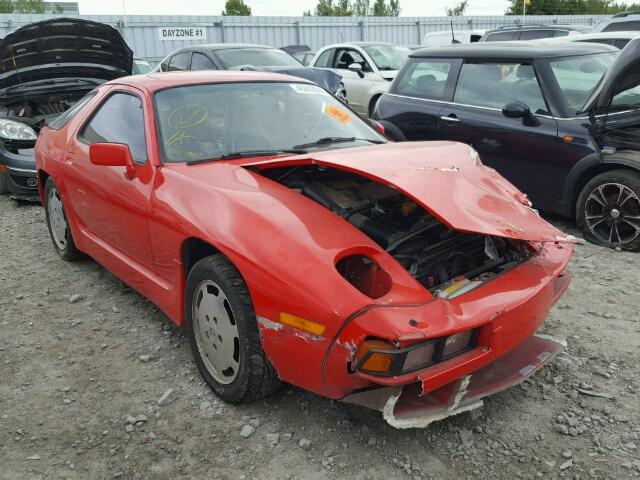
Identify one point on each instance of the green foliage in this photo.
(29, 6)
(570, 7)
(358, 8)
(458, 9)
(236, 7)
(6, 6)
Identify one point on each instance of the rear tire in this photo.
(223, 332)
(57, 223)
(608, 210)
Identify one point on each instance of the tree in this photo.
(30, 6)
(358, 8)
(6, 6)
(570, 7)
(457, 10)
(57, 9)
(236, 7)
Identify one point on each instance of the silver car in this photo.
(367, 69)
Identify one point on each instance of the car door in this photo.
(521, 149)
(112, 208)
(418, 96)
(357, 84)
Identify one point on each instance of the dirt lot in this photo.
(81, 352)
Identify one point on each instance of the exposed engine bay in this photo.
(37, 110)
(445, 261)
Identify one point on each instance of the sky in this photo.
(410, 8)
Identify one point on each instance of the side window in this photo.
(346, 57)
(61, 120)
(620, 42)
(561, 33)
(324, 60)
(535, 34)
(425, 79)
(200, 61)
(119, 120)
(179, 62)
(496, 84)
(622, 26)
(503, 36)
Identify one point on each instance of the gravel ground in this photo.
(85, 361)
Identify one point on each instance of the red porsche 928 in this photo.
(296, 244)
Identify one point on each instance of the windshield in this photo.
(579, 76)
(141, 66)
(236, 58)
(200, 122)
(388, 57)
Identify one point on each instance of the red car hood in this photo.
(445, 178)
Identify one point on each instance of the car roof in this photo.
(155, 81)
(539, 26)
(223, 46)
(586, 37)
(506, 50)
(356, 44)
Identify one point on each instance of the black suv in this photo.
(561, 122)
(531, 32)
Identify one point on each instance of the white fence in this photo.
(143, 32)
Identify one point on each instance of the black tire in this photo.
(68, 252)
(255, 377)
(3, 183)
(605, 208)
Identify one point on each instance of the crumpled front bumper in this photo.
(409, 407)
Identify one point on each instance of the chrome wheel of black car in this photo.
(613, 214)
(609, 209)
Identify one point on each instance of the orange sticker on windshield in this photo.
(335, 112)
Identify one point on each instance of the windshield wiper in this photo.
(330, 140)
(249, 153)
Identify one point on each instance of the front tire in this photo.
(57, 223)
(223, 332)
(3, 183)
(608, 210)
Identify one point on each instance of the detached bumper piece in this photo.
(412, 406)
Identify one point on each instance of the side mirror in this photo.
(112, 155)
(356, 67)
(520, 110)
(391, 131)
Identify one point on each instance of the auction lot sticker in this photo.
(182, 33)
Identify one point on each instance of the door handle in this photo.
(450, 118)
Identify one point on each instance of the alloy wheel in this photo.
(612, 214)
(216, 332)
(57, 219)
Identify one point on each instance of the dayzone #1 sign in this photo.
(182, 33)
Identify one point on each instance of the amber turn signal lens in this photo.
(302, 323)
(376, 361)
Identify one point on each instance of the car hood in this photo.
(327, 79)
(623, 74)
(63, 48)
(445, 178)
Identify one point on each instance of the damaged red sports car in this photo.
(296, 244)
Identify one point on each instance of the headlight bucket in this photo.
(379, 357)
(12, 130)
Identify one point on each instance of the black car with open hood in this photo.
(46, 68)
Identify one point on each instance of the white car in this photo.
(367, 70)
(448, 37)
(616, 39)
